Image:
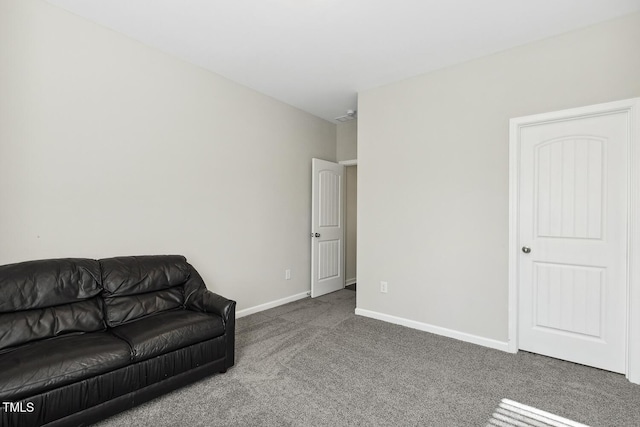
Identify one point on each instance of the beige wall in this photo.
(108, 147)
(351, 240)
(433, 171)
(347, 140)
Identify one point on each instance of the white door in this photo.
(327, 227)
(573, 239)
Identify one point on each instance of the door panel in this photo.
(329, 259)
(568, 298)
(327, 234)
(329, 198)
(570, 182)
(572, 215)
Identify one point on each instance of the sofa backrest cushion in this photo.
(47, 298)
(139, 286)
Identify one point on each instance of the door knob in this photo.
(315, 234)
(526, 249)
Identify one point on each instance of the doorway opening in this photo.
(333, 260)
(573, 252)
(351, 226)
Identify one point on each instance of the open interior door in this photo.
(327, 227)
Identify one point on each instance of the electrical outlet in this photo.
(383, 287)
(287, 274)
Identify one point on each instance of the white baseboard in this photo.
(438, 330)
(272, 304)
(350, 282)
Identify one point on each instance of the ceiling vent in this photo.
(351, 114)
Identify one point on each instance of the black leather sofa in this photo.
(83, 339)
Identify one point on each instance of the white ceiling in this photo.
(317, 54)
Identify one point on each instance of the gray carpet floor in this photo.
(315, 363)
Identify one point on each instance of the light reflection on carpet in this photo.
(510, 414)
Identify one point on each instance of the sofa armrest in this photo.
(199, 298)
(209, 302)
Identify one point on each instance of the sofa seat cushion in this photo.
(168, 331)
(47, 364)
